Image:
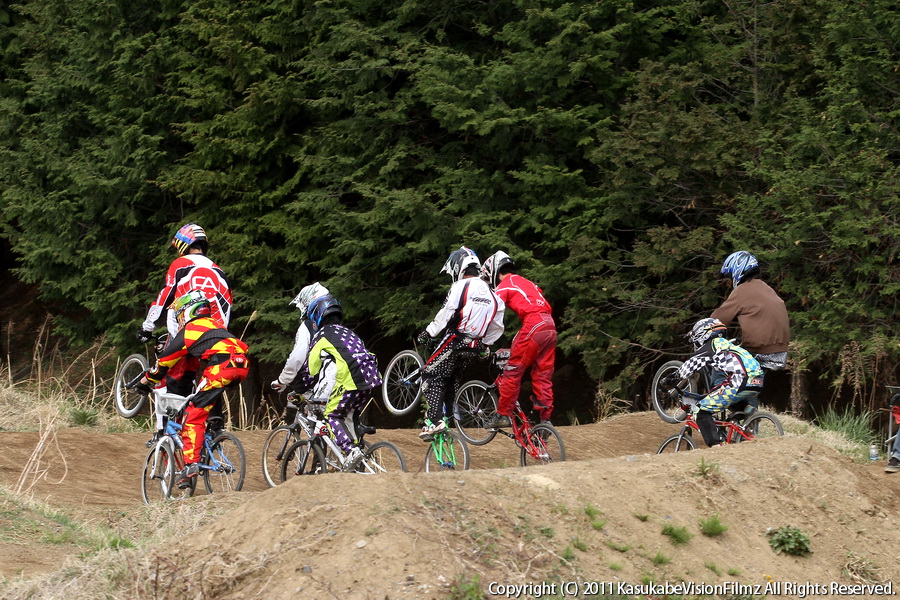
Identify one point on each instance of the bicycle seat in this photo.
(215, 424)
(365, 429)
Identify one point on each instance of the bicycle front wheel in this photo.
(159, 474)
(130, 402)
(447, 452)
(402, 387)
(382, 457)
(228, 465)
(302, 458)
(763, 425)
(677, 443)
(544, 446)
(666, 403)
(273, 453)
(475, 405)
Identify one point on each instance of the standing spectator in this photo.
(533, 347)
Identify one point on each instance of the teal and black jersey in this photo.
(356, 367)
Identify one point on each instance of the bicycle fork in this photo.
(444, 452)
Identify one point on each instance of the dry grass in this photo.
(832, 439)
(150, 569)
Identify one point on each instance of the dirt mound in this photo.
(600, 516)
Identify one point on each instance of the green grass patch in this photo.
(618, 547)
(465, 588)
(677, 535)
(789, 540)
(856, 427)
(712, 526)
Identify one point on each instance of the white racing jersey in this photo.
(472, 309)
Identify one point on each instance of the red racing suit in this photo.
(224, 360)
(534, 346)
(187, 273)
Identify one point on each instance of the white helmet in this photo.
(459, 261)
(490, 272)
(307, 295)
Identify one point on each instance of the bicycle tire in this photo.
(159, 478)
(302, 458)
(677, 443)
(666, 404)
(549, 443)
(401, 390)
(381, 457)
(762, 425)
(274, 449)
(228, 451)
(129, 402)
(475, 404)
(454, 453)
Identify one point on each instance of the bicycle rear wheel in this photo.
(129, 402)
(666, 403)
(402, 387)
(547, 445)
(677, 443)
(159, 474)
(763, 425)
(447, 452)
(475, 404)
(382, 457)
(273, 453)
(302, 458)
(228, 465)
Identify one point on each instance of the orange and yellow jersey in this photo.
(203, 338)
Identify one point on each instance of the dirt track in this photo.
(91, 473)
(409, 536)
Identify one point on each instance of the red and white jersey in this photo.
(187, 273)
(525, 299)
(472, 309)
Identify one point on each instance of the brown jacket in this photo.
(765, 327)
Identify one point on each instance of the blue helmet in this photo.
(323, 306)
(738, 265)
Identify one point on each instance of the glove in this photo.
(143, 336)
(669, 381)
(278, 386)
(142, 388)
(423, 337)
(483, 351)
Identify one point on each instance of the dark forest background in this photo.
(618, 150)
